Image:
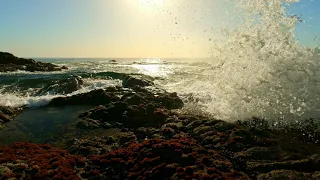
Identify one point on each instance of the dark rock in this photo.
(88, 124)
(143, 133)
(130, 115)
(95, 97)
(124, 130)
(223, 126)
(261, 153)
(9, 62)
(173, 125)
(311, 164)
(8, 113)
(126, 137)
(168, 100)
(4, 117)
(106, 125)
(92, 145)
(7, 110)
(286, 175)
(129, 82)
(133, 98)
(63, 86)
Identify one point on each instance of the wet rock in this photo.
(261, 153)
(4, 118)
(311, 164)
(9, 62)
(167, 133)
(176, 125)
(63, 86)
(111, 113)
(126, 137)
(223, 126)
(88, 124)
(129, 82)
(133, 98)
(92, 145)
(95, 97)
(168, 100)
(106, 125)
(143, 133)
(286, 175)
(7, 110)
(8, 113)
(132, 116)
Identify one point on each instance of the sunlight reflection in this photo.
(153, 67)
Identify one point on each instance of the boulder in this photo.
(130, 82)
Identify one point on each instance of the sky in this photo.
(126, 28)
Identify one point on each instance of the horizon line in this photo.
(118, 57)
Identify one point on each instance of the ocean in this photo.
(234, 90)
(256, 69)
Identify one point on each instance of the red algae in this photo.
(161, 159)
(40, 161)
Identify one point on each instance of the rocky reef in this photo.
(137, 133)
(9, 62)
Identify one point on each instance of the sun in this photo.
(152, 3)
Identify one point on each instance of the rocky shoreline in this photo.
(135, 132)
(9, 62)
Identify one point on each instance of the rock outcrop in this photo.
(95, 97)
(62, 86)
(9, 62)
(130, 82)
(7, 113)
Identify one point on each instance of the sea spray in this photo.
(258, 68)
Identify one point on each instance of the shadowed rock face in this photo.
(7, 113)
(9, 62)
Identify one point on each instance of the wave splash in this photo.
(259, 69)
(21, 98)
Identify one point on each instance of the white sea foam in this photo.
(15, 99)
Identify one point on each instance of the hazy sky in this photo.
(124, 28)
